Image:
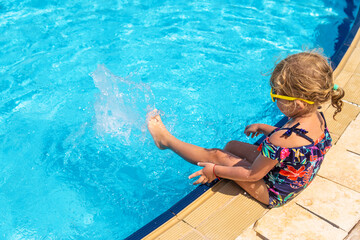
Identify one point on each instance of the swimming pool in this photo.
(76, 159)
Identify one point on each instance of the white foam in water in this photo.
(121, 105)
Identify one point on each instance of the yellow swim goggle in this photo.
(273, 96)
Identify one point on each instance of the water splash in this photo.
(121, 106)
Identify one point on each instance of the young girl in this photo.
(289, 158)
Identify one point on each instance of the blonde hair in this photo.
(307, 75)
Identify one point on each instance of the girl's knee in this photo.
(222, 157)
(216, 155)
(231, 145)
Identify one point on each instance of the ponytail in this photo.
(337, 93)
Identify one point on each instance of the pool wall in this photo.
(339, 54)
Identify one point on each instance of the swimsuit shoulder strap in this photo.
(298, 131)
(275, 130)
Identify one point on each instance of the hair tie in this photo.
(335, 87)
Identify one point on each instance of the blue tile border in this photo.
(197, 192)
(167, 215)
(340, 52)
(151, 226)
(192, 196)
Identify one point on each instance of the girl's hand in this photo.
(206, 174)
(253, 130)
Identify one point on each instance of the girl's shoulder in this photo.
(305, 133)
(278, 139)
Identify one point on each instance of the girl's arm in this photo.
(261, 166)
(258, 128)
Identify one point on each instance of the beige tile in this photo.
(194, 235)
(352, 89)
(342, 166)
(293, 222)
(343, 78)
(333, 202)
(350, 139)
(163, 228)
(328, 112)
(177, 231)
(223, 195)
(201, 200)
(357, 70)
(353, 61)
(334, 138)
(355, 233)
(249, 234)
(231, 220)
(343, 119)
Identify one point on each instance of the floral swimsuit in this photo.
(296, 166)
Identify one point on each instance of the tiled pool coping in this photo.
(199, 191)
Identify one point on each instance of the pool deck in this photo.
(328, 209)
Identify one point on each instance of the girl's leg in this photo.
(249, 152)
(191, 153)
(236, 154)
(257, 190)
(243, 150)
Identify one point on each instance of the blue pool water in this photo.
(78, 77)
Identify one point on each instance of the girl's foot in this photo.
(157, 129)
